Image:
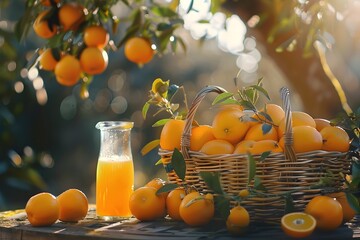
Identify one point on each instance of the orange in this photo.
(68, 71)
(47, 60)
(170, 136)
(217, 146)
(265, 146)
(256, 133)
(228, 125)
(243, 146)
(335, 139)
(93, 60)
(327, 212)
(238, 220)
(71, 15)
(197, 210)
(298, 119)
(47, 3)
(298, 224)
(73, 205)
(199, 136)
(275, 112)
(156, 183)
(138, 50)
(145, 205)
(348, 212)
(41, 26)
(244, 193)
(96, 36)
(306, 139)
(321, 123)
(173, 202)
(42, 209)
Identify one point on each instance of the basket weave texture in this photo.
(280, 173)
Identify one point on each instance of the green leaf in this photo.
(182, 43)
(247, 105)
(289, 203)
(161, 122)
(150, 146)
(251, 167)
(173, 88)
(163, 11)
(222, 206)
(212, 180)
(266, 116)
(145, 109)
(163, 26)
(167, 188)
(158, 162)
(258, 184)
(222, 97)
(265, 128)
(262, 90)
(264, 155)
(353, 202)
(178, 163)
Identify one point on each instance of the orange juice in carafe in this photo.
(115, 170)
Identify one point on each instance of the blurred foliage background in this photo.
(48, 141)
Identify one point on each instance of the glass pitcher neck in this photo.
(114, 125)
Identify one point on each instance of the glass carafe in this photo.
(115, 170)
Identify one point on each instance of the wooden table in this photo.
(14, 226)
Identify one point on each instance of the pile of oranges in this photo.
(44, 209)
(235, 131)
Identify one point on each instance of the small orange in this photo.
(138, 50)
(156, 183)
(327, 212)
(217, 146)
(71, 15)
(348, 212)
(42, 209)
(298, 119)
(73, 205)
(145, 205)
(199, 136)
(96, 36)
(298, 224)
(321, 123)
(267, 145)
(196, 209)
(173, 202)
(229, 125)
(257, 133)
(244, 193)
(243, 147)
(238, 220)
(68, 71)
(41, 26)
(335, 139)
(93, 60)
(306, 139)
(170, 136)
(47, 60)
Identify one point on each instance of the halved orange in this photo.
(298, 224)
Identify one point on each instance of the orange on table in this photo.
(298, 119)
(267, 145)
(138, 50)
(327, 212)
(243, 146)
(170, 136)
(42, 209)
(96, 36)
(228, 124)
(335, 139)
(348, 212)
(199, 136)
(71, 15)
(238, 220)
(145, 205)
(114, 186)
(68, 71)
(275, 112)
(256, 133)
(217, 146)
(93, 60)
(298, 224)
(321, 123)
(197, 210)
(47, 60)
(173, 202)
(306, 139)
(73, 205)
(42, 28)
(157, 183)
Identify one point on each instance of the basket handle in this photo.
(288, 136)
(185, 138)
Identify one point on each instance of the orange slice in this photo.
(298, 224)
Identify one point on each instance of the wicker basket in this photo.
(280, 173)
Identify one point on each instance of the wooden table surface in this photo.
(14, 226)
